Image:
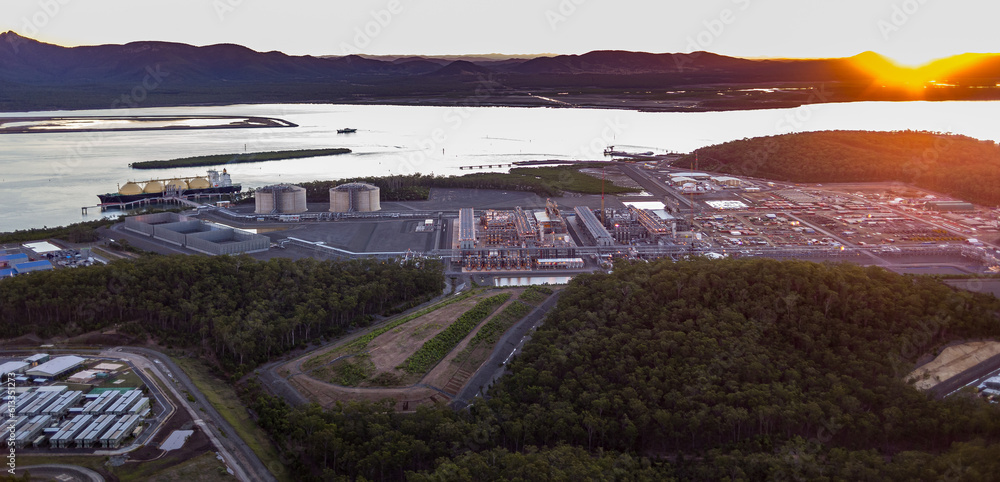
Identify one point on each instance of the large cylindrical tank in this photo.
(280, 199)
(355, 197)
(153, 187)
(177, 185)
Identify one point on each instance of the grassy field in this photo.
(222, 396)
(203, 468)
(238, 158)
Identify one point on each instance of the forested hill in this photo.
(959, 166)
(699, 370)
(232, 308)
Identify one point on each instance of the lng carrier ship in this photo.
(215, 184)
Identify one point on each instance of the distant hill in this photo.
(956, 165)
(38, 75)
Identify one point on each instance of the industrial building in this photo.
(32, 430)
(9, 260)
(197, 235)
(32, 266)
(466, 228)
(355, 197)
(280, 199)
(100, 404)
(67, 434)
(950, 206)
(55, 367)
(120, 429)
(92, 433)
(124, 403)
(560, 263)
(593, 227)
(37, 358)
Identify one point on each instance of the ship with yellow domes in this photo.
(215, 184)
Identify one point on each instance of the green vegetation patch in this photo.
(202, 468)
(957, 165)
(221, 159)
(498, 325)
(535, 294)
(438, 347)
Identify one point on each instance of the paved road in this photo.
(974, 375)
(60, 472)
(510, 343)
(244, 462)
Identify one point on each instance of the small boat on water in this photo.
(347, 130)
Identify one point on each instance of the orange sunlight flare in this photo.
(914, 79)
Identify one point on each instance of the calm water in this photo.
(46, 178)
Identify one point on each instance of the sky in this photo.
(909, 31)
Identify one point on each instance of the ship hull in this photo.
(115, 198)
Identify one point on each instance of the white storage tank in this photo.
(355, 197)
(280, 199)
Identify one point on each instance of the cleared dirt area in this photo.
(389, 350)
(392, 348)
(952, 361)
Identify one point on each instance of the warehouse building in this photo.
(950, 206)
(56, 367)
(13, 367)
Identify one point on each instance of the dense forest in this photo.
(235, 309)
(699, 370)
(544, 181)
(956, 165)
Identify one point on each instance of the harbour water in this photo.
(46, 177)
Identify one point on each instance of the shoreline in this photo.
(239, 122)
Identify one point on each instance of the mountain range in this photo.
(38, 75)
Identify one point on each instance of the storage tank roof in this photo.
(352, 186)
(281, 188)
(153, 187)
(199, 183)
(130, 188)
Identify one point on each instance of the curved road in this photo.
(64, 473)
(244, 462)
